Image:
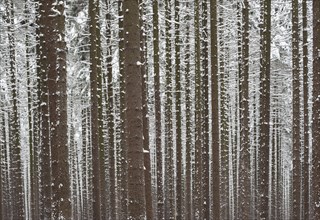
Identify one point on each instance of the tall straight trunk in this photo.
(45, 159)
(215, 175)
(224, 120)
(1, 192)
(237, 128)
(316, 109)
(110, 117)
(305, 54)
(160, 199)
(146, 139)
(122, 173)
(37, 123)
(15, 148)
(244, 169)
(178, 112)
(31, 187)
(188, 100)
(94, 103)
(134, 122)
(2, 144)
(57, 84)
(169, 200)
(264, 110)
(85, 196)
(197, 190)
(296, 176)
(205, 112)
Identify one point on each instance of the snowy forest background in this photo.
(169, 109)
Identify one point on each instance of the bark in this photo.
(197, 191)
(145, 110)
(306, 167)
(188, 195)
(134, 123)
(215, 112)
(45, 159)
(57, 85)
(94, 103)
(245, 172)
(205, 112)
(169, 201)
(264, 110)
(296, 184)
(123, 147)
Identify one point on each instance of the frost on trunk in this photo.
(157, 101)
(14, 128)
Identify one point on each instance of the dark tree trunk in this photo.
(263, 159)
(134, 122)
(215, 175)
(296, 176)
(244, 169)
(94, 103)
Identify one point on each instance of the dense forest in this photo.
(160, 109)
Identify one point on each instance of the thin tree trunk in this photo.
(215, 175)
(160, 199)
(94, 102)
(123, 145)
(146, 139)
(306, 175)
(296, 176)
(188, 195)
(110, 118)
(178, 112)
(245, 171)
(197, 191)
(205, 112)
(264, 110)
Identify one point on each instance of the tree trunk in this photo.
(215, 175)
(134, 123)
(197, 191)
(296, 176)
(157, 101)
(306, 167)
(94, 102)
(178, 112)
(205, 112)
(264, 110)
(45, 159)
(245, 171)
